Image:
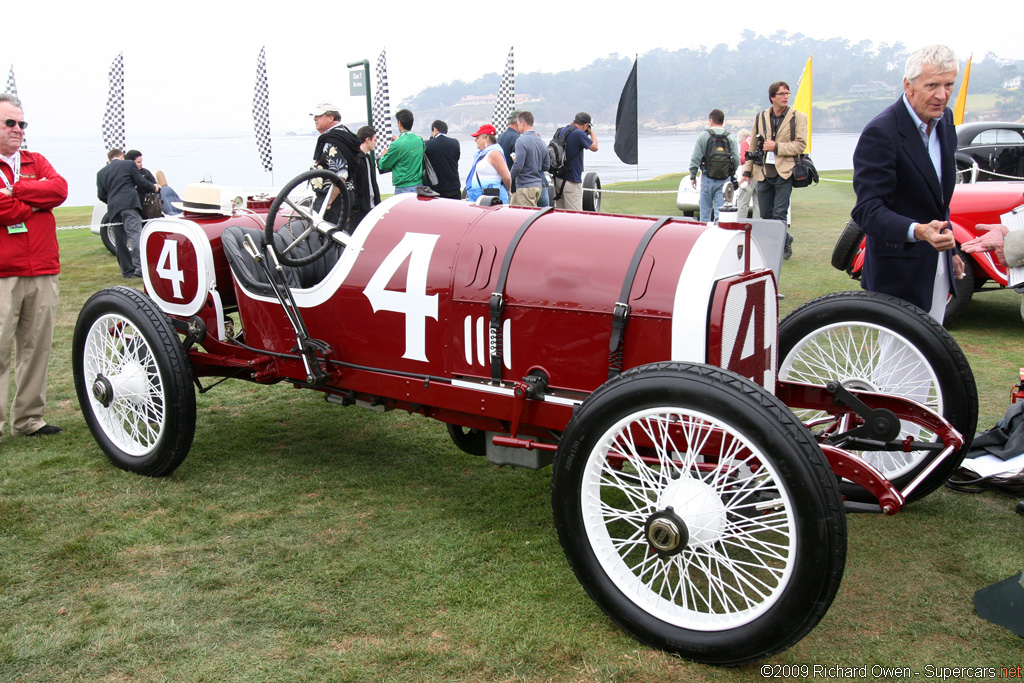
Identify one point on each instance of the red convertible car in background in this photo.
(972, 204)
(701, 451)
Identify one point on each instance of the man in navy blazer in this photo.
(444, 153)
(118, 185)
(904, 173)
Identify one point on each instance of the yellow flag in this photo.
(961, 97)
(802, 102)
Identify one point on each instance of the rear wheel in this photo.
(134, 382)
(698, 513)
(875, 342)
(468, 439)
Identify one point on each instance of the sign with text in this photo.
(357, 83)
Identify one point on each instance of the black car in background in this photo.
(990, 150)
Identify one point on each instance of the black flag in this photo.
(626, 122)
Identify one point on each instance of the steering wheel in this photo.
(315, 220)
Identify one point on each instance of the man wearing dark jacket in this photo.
(118, 185)
(904, 173)
(444, 153)
(366, 194)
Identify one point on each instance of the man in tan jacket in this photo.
(780, 134)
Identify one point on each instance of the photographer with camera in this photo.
(579, 135)
(780, 135)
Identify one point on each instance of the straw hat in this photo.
(207, 198)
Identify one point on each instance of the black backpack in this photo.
(559, 164)
(718, 161)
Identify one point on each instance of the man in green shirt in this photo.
(405, 156)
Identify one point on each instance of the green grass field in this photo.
(302, 541)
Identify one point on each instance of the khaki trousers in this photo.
(28, 306)
(526, 196)
(572, 195)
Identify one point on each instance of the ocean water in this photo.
(234, 159)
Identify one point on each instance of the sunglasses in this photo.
(11, 123)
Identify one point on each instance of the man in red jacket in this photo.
(29, 265)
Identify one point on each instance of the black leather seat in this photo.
(251, 275)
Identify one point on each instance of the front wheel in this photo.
(134, 382)
(698, 513)
(876, 342)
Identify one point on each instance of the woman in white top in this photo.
(489, 168)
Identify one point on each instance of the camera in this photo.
(757, 155)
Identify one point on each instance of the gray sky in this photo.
(190, 66)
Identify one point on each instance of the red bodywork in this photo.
(416, 314)
(407, 311)
(973, 204)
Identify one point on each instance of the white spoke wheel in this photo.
(134, 382)
(876, 342)
(698, 513)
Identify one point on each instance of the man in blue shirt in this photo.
(569, 189)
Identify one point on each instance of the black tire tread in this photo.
(846, 247)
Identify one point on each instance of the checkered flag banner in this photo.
(113, 119)
(261, 112)
(506, 94)
(382, 106)
(12, 89)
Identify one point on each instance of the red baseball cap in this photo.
(486, 129)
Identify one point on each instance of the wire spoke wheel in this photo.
(653, 482)
(874, 342)
(698, 513)
(869, 357)
(133, 382)
(116, 352)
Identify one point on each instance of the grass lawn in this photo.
(302, 541)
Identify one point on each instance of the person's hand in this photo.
(991, 239)
(958, 267)
(937, 234)
(744, 183)
(7, 192)
(769, 145)
(693, 181)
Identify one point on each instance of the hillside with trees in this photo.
(852, 82)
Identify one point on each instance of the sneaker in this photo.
(787, 253)
(46, 430)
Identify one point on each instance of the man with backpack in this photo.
(717, 155)
(566, 161)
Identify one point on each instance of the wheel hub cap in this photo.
(666, 533)
(698, 508)
(102, 391)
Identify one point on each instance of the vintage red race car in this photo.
(640, 356)
(971, 204)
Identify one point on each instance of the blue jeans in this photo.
(711, 197)
(403, 190)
